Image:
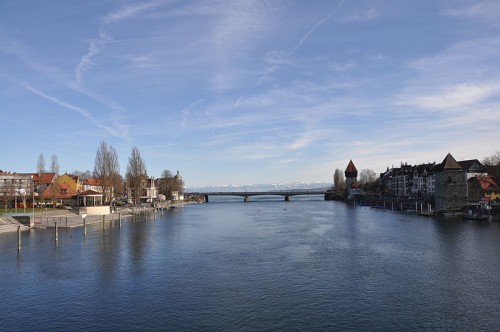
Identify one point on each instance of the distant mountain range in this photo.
(262, 187)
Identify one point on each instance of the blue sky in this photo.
(243, 92)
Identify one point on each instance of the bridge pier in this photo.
(245, 199)
(206, 198)
(287, 198)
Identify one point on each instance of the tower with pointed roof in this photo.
(178, 176)
(451, 185)
(351, 175)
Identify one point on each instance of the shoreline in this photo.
(70, 219)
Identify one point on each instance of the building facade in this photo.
(482, 187)
(15, 188)
(424, 181)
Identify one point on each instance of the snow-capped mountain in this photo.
(262, 187)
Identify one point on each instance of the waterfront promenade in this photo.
(69, 219)
(9, 224)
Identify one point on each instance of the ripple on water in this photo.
(300, 265)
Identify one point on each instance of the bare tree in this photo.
(117, 181)
(169, 183)
(40, 166)
(166, 174)
(339, 179)
(22, 192)
(180, 183)
(83, 174)
(106, 169)
(54, 164)
(8, 192)
(492, 160)
(492, 164)
(368, 179)
(136, 172)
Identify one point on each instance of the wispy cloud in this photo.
(316, 26)
(187, 113)
(288, 161)
(86, 60)
(471, 56)
(66, 105)
(117, 132)
(24, 54)
(277, 59)
(258, 151)
(96, 45)
(480, 11)
(59, 79)
(131, 10)
(361, 16)
(462, 75)
(306, 138)
(457, 96)
(269, 87)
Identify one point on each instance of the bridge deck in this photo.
(272, 193)
(247, 194)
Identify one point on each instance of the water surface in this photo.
(306, 264)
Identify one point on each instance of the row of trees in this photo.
(54, 164)
(107, 171)
(136, 172)
(367, 179)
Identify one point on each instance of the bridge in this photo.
(246, 194)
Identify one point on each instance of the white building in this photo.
(15, 186)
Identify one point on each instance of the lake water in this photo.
(306, 264)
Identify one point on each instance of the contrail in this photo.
(76, 109)
(59, 102)
(316, 26)
(294, 49)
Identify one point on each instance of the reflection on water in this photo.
(306, 264)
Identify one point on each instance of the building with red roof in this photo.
(482, 187)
